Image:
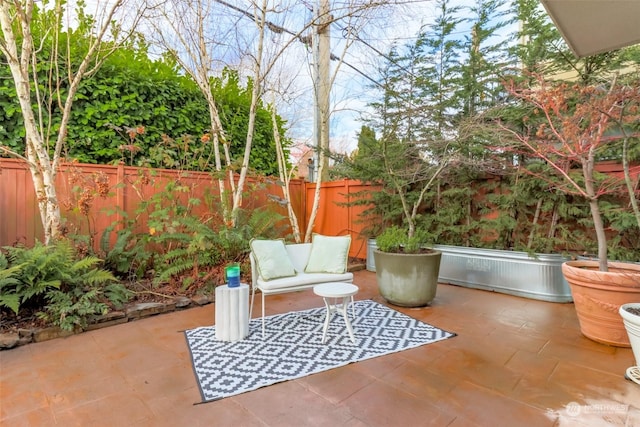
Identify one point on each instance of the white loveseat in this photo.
(300, 257)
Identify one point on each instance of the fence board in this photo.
(335, 219)
(19, 217)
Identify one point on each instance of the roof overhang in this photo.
(596, 26)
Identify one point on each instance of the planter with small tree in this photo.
(569, 128)
(406, 270)
(405, 169)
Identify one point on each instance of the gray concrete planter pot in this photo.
(371, 248)
(407, 280)
(510, 272)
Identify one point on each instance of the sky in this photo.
(352, 89)
(352, 92)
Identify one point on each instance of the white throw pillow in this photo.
(329, 254)
(272, 259)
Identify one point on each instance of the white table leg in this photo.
(345, 305)
(353, 309)
(327, 318)
(335, 307)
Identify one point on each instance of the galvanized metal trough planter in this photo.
(515, 273)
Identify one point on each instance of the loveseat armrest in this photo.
(254, 270)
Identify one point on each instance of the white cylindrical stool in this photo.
(232, 312)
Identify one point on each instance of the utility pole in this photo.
(322, 57)
(321, 45)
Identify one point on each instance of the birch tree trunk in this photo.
(37, 157)
(256, 92)
(17, 44)
(285, 177)
(181, 28)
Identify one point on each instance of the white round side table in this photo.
(331, 293)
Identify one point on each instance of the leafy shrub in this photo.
(181, 247)
(8, 282)
(129, 258)
(91, 294)
(198, 248)
(395, 239)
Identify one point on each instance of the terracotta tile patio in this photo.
(515, 362)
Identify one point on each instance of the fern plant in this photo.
(129, 257)
(180, 244)
(8, 282)
(37, 272)
(77, 304)
(86, 291)
(66, 289)
(197, 249)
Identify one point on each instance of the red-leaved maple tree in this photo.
(570, 126)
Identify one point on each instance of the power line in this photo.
(348, 30)
(270, 25)
(304, 40)
(335, 58)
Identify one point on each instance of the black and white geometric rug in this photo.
(293, 347)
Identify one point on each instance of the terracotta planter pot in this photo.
(598, 295)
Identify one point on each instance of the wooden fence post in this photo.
(121, 190)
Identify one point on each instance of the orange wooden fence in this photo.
(334, 219)
(128, 186)
(78, 185)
